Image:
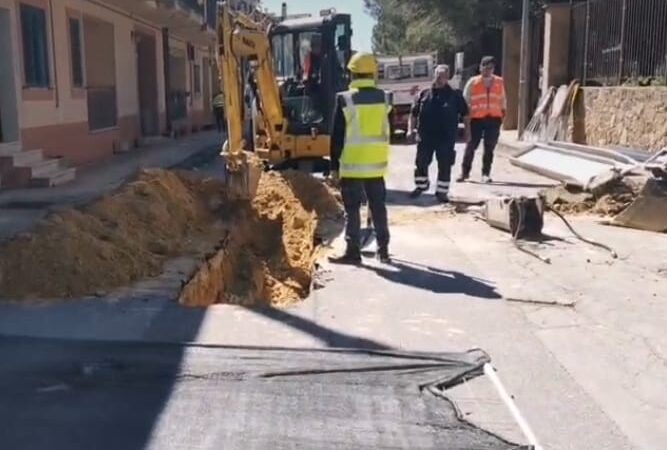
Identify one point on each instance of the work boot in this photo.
(383, 255)
(417, 192)
(350, 258)
(486, 179)
(442, 197)
(462, 178)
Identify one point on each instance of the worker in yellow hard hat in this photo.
(360, 155)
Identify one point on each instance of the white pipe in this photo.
(490, 372)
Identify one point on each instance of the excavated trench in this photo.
(263, 252)
(268, 253)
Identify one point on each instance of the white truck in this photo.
(405, 76)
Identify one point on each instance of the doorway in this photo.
(9, 119)
(147, 83)
(178, 91)
(206, 89)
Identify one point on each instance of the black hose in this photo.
(580, 237)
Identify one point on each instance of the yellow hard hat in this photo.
(363, 63)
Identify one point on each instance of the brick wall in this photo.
(626, 116)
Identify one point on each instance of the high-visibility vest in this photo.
(219, 101)
(487, 102)
(366, 150)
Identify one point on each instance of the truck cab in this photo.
(404, 76)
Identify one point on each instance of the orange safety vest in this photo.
(487, 102)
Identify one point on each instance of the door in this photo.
(147, 84)
(206, 89)
(9, 120)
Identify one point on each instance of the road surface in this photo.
(588, 376)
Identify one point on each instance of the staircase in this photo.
(20, 169)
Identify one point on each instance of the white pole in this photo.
(490, 372)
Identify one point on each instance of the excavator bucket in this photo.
(243, 170)
(649, 210)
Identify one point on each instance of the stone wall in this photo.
(625, 116)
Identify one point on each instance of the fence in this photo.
(619, 42)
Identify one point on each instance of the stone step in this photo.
(9, 148)
(23, 159)
(56, 178)
(45, 167)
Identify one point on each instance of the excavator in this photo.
(279, 77)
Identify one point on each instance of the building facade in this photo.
(82, 79)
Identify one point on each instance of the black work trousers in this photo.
(444, 153)
(489, 130)
(354, 192)
(220, 119)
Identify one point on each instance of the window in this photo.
(197, 77)
(76, 52)
(399, 73)
(35, 50)
(420, 68)
(342, 44)
(381, 72)
(309, 45)
(283, 55)
(278, 55)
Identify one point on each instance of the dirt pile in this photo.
(120, 239)
(265, 250)
(268, 255)
(613, 200)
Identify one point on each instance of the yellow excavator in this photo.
(279, 77)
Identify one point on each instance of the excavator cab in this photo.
(310, 56)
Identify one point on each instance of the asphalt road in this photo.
(586, 377)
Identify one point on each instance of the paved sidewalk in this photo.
(21, 208)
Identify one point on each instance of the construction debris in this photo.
(607, 203)
(521, 216)
(129, 235)
(649, 209)
(572, 165)
(565, 304)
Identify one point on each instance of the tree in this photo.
(445, 26)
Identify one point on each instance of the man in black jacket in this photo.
(435, 118)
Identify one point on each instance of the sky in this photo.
(362, 23)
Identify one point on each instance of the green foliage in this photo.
(445, 26)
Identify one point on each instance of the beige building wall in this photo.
(56, 119)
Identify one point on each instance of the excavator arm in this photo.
(241, 37)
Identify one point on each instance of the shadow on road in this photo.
(69, 394)
(402, 198)
(435, 280)
(331, 338)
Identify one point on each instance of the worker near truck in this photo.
(485, 94)
(360, 156)
(435, 118)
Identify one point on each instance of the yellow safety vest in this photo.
(366, 150)
(219, 101)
